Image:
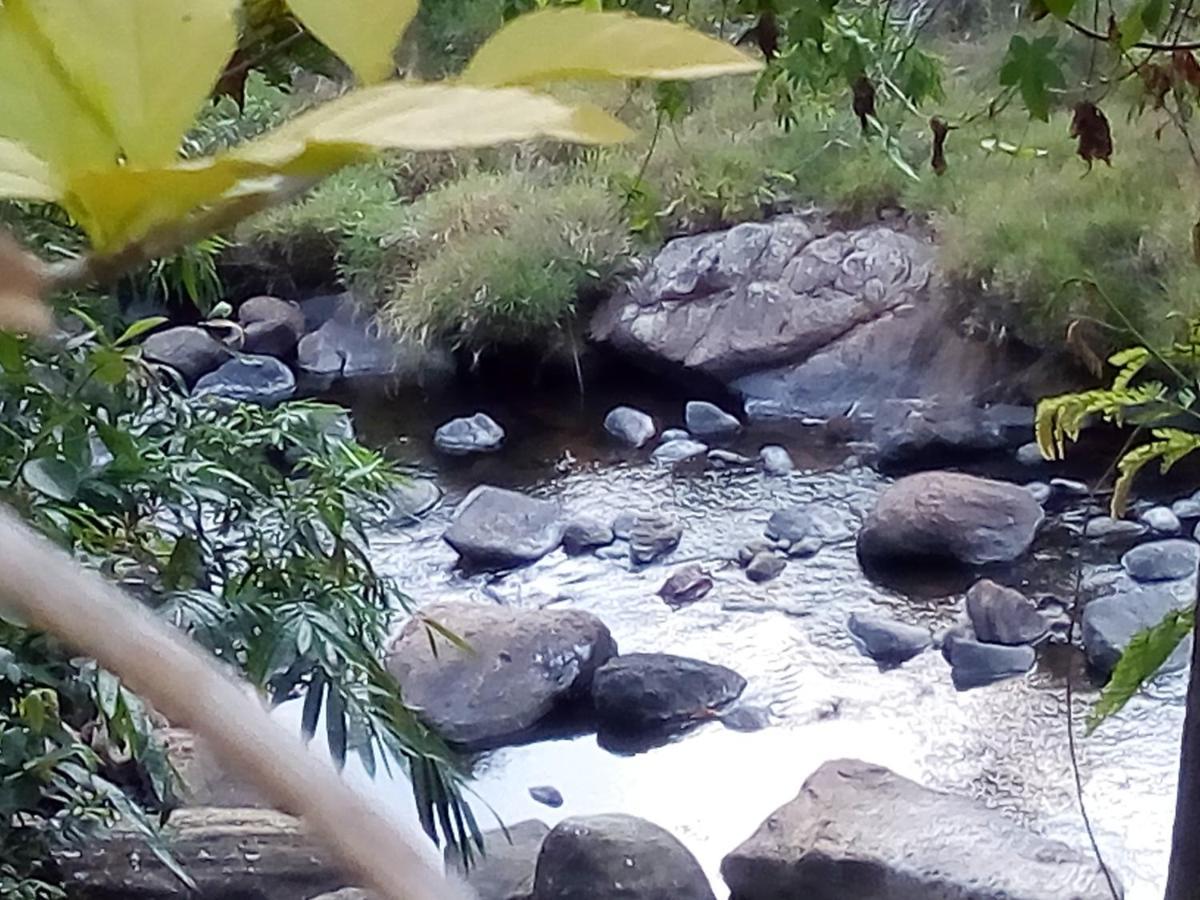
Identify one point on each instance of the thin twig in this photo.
(1097, 35)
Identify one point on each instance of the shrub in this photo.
(489, 259)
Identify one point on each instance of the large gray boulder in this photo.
(803, 319)
(616, 857)
(505, 870)
(647, 691)
(1002, 615)
(189, 350)
(213, 845)
(494, 527)
(1119, 607)
(521, 665)
(948, 515)
(249, 379)
(860, 831)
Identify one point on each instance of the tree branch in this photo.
(1140, 45)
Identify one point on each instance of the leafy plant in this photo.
(1146, 654)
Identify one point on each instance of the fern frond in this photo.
(1145, 655)
(1170, 445)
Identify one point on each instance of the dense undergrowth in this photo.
(509, 245)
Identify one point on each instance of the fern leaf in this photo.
(1170, 445)
(1145, 655)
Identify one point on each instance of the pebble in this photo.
(674, 452)
(806, 547)
(727, 458)
(764, 567)
(1030, 455)
(1066, 487)
(675, 434)
(776, 460)
(1040, 490)
(547, 795)
(1187, 507)
(1108, 528)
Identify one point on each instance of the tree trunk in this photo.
(1183, 873)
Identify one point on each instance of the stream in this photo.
(1005, 744)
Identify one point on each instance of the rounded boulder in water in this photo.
(630, 426)
(1162, 560)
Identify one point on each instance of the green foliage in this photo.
(1155, 389)
(243, 526)
(1146, 654)
(491, 258)
(1032, 68)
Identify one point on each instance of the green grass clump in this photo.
(492, 258)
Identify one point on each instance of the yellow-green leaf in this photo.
(23, 176)
(424, 117)
(40, 108)
(146, 66)
(362, 32)
(121, 205)
(561, 44)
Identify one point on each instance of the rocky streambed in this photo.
(989, 729)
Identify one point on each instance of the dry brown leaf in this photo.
(22, 285)
(864, 101)
(938, 158)
(1081, 347)
(1090, 128)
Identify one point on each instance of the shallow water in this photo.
(1005, 744)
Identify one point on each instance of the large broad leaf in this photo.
(559, 44)
(1147, 653)
(55, 478)
(118, 206)
(40, 108)
(424, 117)
(146, 66)
(23, 176)
(362, 32)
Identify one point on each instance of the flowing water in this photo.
(1005, 744)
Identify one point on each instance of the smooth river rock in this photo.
(858, 831)
(249, 379)
(648, 691)
(686, 585)
(975, 664)
(1002, 615)
(776, 460)
(189, 350)
(584, 533)
(887, 640)
(707, 420)
(630, 426)
(948, 515)
(674, 452)
(271, 326)
(479, 433)
(1163, 560)
(522, 665)
(652, 536)
(494, 527)
(616, 857)
(1119, 607)
(1161, 520)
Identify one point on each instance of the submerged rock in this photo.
(918, 434)
(522, 665)
(585, 533)
(653, 536)
(1030, 455)
(630, 426)
(249, 379)
(1163, 560)
(504, 871)
(1039, 490)
(887, 640)
(675, 434)
(860, 831)
(776, 460)
(479, 433)
(951, 516)
(616, 857)
(674, 452)
(975, 664)
(746, 718)
(707, 420)
(1002, 615)
(686, 585)
(724, 459)
(1120, 607)
(765, 567)
(494, 527)
(189, 350)
(649, 691)
(790, 525)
